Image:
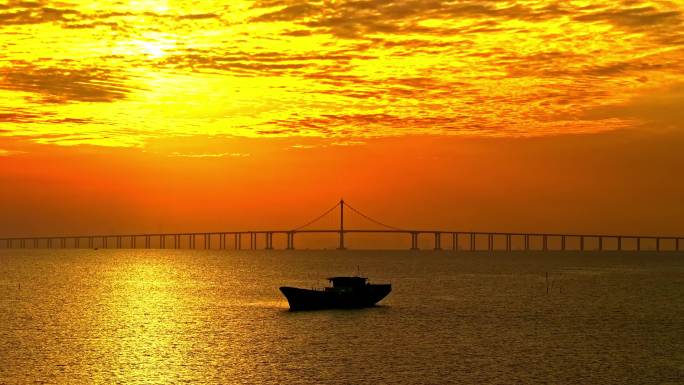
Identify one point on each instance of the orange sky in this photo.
(126, 116)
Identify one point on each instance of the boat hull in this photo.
(348, 298)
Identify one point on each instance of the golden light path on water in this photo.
(119, 73)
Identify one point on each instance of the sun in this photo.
(154, 49)
(150, 46)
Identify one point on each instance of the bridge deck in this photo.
(662, 243)
(460, 240)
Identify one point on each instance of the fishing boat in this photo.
(344, 293)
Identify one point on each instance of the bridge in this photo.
(440, 239)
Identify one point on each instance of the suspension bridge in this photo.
(439, 239)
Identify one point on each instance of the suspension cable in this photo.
(371, 219)
(317, 218)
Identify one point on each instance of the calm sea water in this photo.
(171, 317)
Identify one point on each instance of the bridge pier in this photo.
(454, 241)
(490, 242)
(581, 243)
(509, 242)
(600, 243)
(527, 242)
(414, 240)
(563, 242)
(104, 242)
(118, 242)
(638, 243)
(147, 241)
(472, 242)
(545, 242)
(438, 241)
(658, 244)
(290, 240)
(619, 243)
(677, 244)
(269, 241)
(342, 245)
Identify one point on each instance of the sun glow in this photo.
(151, 47)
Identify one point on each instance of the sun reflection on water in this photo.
(146, 317)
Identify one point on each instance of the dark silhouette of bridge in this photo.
(460, 240)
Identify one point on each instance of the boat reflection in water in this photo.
(345, 293)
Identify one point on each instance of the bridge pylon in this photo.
(341, 247)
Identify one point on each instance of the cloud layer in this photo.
(348, 68)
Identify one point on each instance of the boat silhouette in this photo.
(345, 293)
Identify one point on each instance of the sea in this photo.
(217, 317)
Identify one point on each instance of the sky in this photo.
(132, 116)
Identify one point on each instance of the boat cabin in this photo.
(347, 281)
